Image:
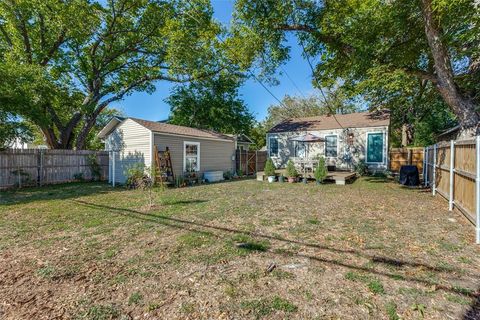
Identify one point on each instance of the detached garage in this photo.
(134, 140)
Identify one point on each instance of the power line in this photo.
(248, 71)
(314, 75)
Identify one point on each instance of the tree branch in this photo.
(5, 35)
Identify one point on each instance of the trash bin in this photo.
(409, 176)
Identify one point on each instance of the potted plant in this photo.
(321, 170)
(281, 178)
(291, 172)
(270, 170)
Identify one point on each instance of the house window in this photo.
(273, 142)
(191, 156)
(330, 146)
(375, 147)
(300, 149)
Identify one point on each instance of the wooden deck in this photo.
(339, 177)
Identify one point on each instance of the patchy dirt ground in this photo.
(238, 250)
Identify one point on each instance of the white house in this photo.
(348, 139)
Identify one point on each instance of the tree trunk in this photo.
(407, 134)
(463, 106)
(82, 136)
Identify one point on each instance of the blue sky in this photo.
(257, 99)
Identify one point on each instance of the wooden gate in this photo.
(406, 156)
(249, 162)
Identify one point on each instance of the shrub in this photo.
(361, 168)
(135, 174)
(291, 171)
(78, 176)
(240, 172)
(95, 168)
(321, 170)
(269, 168)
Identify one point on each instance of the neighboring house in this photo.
(348, 138)
(134, 141)
(242, 142)
(21, 144)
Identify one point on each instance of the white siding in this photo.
(215, 155)
(357, 151)
(131, 143)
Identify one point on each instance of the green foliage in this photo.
(361, 168)
(135, 174)
(321, 170)
(391, 309)
(211, 104)
(95, 168)
(269, 168)
(291, 170)
(63, 62)
(258, 135)
(12, 129)
(135, 298)
(379, 50)
(78, 176)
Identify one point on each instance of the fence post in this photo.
(426, 155)
(434, 168)
(452, 175)
(477, 188)
(113, 168)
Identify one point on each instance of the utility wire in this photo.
(248, 71)
(314, 75)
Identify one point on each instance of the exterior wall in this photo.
(214, 154)
(132, 143)
(347, 155)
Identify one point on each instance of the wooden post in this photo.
(452, 170)
(256, 161)
(425, 156)
(113, 168)
(434, 168)
(477, 188)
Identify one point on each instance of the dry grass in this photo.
(369, 250)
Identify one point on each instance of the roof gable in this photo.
(160, 127)
(328, 122)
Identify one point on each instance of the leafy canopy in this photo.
(211, 104)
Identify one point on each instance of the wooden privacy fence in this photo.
(406, 156)
(250, 162)
(36, 167)
(452, 169)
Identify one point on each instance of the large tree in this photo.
(212, 104)
(63, 62)
(436, 41)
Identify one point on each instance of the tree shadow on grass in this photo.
(54, 192)
(193, 226)
(473, 312)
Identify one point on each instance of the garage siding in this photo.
(132, 143)
(214, 154)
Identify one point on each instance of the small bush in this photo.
(135, 174)
(269, 168)
(321, 170)
(95, 168)
(361, 168)
(78, 176)
(291, 171)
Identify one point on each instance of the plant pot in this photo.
(281, 179)
(304, 180)
(319, 182)
(271, 179)
(292, 179)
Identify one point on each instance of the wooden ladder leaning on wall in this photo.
(164, 169)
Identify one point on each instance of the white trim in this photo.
(325, 146)
(184, 154)
(383, 147)
(152, 151)
(270, 150)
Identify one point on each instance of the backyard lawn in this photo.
(243, 250)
